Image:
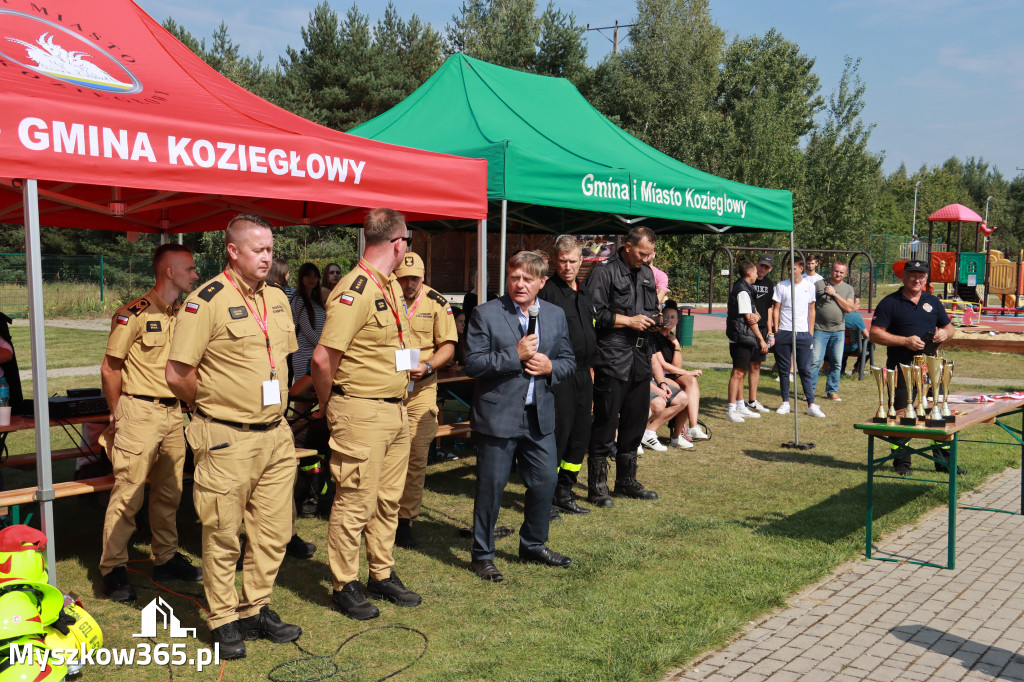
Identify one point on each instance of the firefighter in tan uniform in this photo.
(227, 361)
(360, 371)
(430, 328)
(145, 419)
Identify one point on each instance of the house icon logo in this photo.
(158, 612)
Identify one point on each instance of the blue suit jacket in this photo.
(502, 383)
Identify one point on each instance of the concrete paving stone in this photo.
(783, 676)
(1013, 671)
(752, 656)
(866, 662)
(767, 666)
(805, 641)
(716, 677)
(750, 677)
(996, 657)
(819, 630)
(786, 654)
(946, 646)
(984, 669)
(734, 669)
(885, 673)
(800, 665)
(987, 634)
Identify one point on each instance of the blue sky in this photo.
(944, 77)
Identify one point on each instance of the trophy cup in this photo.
(891, 376)
(935, 371)
(881, 415)
(909, 417)
(947, 379)
(919, 363)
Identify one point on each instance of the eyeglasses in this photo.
(407, 240)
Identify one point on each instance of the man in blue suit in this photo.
(514, 409)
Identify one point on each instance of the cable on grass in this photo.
(322, 668)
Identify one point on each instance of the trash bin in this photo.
(685, 331)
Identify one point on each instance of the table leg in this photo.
(870, 491)
(951, 544)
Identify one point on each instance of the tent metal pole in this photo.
(481, 261)
(360, 241)
(44, 469)
(504, 238)
(792, 312)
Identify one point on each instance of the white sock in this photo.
(650, 434)
(734, 406)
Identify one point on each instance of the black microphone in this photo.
(532, 326)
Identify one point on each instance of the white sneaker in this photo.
(757, 407)
(696, 433)
(734, 416)
(783, 408)
(639, 449)
(815, 411)
(680, 442)
(653, 443)
(745, 412)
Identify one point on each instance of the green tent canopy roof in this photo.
(562, 164)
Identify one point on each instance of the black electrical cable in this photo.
(333, 670)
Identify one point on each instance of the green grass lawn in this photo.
(64, 347)
(742, 524)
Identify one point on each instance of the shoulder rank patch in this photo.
(238, 312)
(121, 319)
(359, 284)
(441, 300)
(192, 307)
(154, 326)
(210, 290)
(381, 304)
(138, 306)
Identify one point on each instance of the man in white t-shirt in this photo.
(745, 340)
(811, 273)
(795, 298)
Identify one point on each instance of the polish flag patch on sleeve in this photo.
(121, 319)
(449, 310)
(191, 307)
(346, 299)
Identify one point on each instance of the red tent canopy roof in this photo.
(126, 129)
(955, 213)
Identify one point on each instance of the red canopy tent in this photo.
(108, 122)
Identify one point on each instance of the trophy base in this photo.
(880, 420)
(951, 419)
(908, 421)
(935, 423)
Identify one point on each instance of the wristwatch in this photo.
(430, 368)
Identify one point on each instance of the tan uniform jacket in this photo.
(429, 323)
(361, 324)
(217, 333)
(140, 335)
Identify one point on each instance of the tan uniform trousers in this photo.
(149, 440)
(369, 458)
(422, 409)
(242, 476)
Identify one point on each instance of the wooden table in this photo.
(967, 415)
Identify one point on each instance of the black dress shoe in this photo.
(544, 556)
(267, 624)
(554, 515)
(392, 589)
(229, 639)
(299, 548)
(486, 569)
(350, 601)
(403, 534)
(117, 587)
(179, 567)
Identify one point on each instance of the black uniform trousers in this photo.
(623, 405)
(573, 399)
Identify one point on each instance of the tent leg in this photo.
(481, 261)
(44, 470)
(504, 238)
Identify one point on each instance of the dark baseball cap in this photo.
(765, 259)
(916, 266)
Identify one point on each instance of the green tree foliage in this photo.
(509, 33)
(224, 55)
(347, 72)
(843, 177)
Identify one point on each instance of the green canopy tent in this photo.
(562, 164)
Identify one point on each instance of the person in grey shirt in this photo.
(834, 299)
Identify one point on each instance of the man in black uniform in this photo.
(575, 394)
(909, 322)
(624, 305)
(763, 288)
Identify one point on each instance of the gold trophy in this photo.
(922, 386)
(947, 379)
(881, 416)
(910, 416)
(891, 379)
(935, 371)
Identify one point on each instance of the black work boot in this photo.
(597, 483)
(403, 534)
(178, 567)
(565, 501)
(268, 625)
(392, 589)
(117, 587)
(626, 484)
(229, 639)
(351, 601)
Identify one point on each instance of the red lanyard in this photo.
(390, 304)
(261, 322)
(409, 311)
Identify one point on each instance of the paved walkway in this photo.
(880, 620)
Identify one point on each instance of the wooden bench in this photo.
(456, 429)
(28, 460)
(9, 498)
